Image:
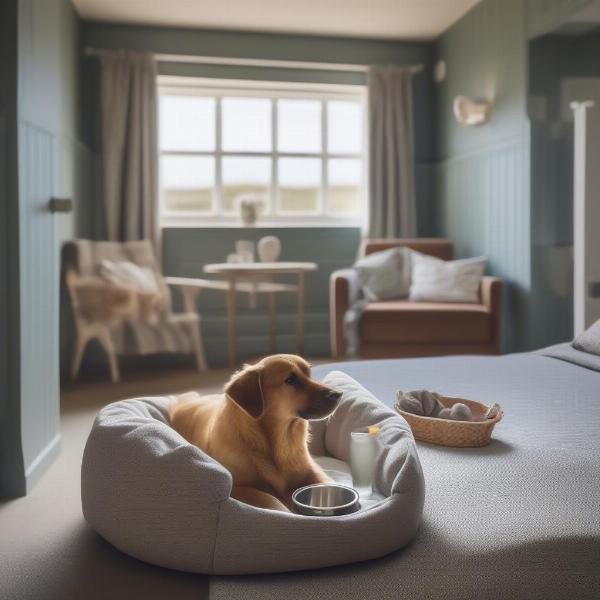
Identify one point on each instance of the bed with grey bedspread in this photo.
(519, 518)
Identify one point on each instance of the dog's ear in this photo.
(244, 388)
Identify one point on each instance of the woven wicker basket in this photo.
(460, 434)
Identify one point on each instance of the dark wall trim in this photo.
(12, 470)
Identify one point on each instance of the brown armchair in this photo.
(401, 328)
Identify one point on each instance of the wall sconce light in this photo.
(471, 113)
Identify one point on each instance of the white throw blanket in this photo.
(132, 336)
(351, 327)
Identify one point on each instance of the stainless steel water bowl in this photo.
(325, 500)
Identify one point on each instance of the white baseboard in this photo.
(41, 462)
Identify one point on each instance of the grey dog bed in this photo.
(164, 501)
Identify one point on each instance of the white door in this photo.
(584, 97)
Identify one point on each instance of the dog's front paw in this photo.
(316, 476)
(322, 478)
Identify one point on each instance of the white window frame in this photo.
(218, 89)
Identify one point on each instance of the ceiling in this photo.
(583, 21)
(388, 19)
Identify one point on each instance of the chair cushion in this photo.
(128, 274)
(385, 275)
(158, 498)
(425, 322)
(86, 258)
(435, 280)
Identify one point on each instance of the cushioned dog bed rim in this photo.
(158, 498)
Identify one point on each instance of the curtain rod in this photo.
(257, 62)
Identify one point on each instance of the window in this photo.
(298, 149)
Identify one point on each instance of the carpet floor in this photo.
(47, 551)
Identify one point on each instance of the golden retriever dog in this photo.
(258, 428)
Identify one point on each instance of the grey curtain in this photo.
(392, 209)
(128, 106)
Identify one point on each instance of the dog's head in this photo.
(281, 387)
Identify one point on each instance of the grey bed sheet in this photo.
(519, 518)
(570, 354)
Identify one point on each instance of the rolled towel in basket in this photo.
(427, 404)
(420, 402)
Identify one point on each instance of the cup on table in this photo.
(245, 250)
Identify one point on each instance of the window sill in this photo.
(261, 224)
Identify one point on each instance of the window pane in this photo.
(246, 124)
(245, 175)
(188, 182)
(299, 184)
(344, 127)
(299, 126)
(344, 178)
(187, 123)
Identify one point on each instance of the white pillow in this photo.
(385, 275)
(589, 340)
(128, 274)
(437, 280)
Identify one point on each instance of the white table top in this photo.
(260, 267)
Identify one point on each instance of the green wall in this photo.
(42, 158)
(482, 174)
(11, 455)
(187, 250)
(490, 180)
(474, 185)
(479, 178)
(235, 44)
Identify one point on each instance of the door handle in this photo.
(60, 205)
(594, 289)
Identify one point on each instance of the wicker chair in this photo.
(172, 332)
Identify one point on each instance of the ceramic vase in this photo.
(269, 248)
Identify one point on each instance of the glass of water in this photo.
(363, 450)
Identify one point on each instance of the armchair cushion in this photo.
(404, 321)
(385, 275)
(438, 280)
(128, 274)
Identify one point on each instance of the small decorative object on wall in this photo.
(439, 71)
(249, 205)
(269, 248)
(470, 112)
